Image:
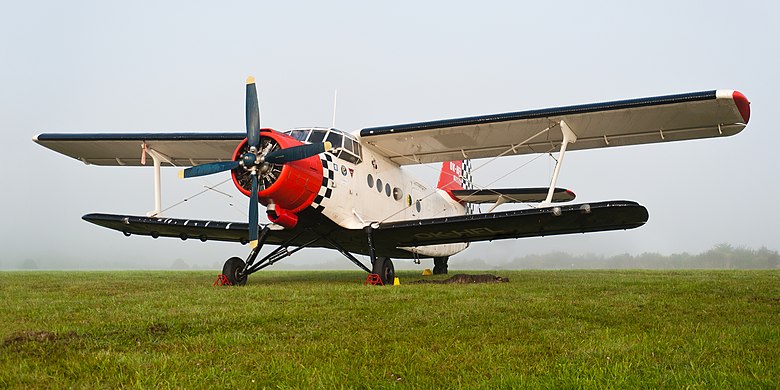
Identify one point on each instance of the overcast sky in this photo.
(180, 67)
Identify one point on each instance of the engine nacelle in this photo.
(291, 187)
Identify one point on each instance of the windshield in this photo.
(345, 145)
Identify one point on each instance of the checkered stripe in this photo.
(468, 184)
(328, 175)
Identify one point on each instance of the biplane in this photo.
(349, 191)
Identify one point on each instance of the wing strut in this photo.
(157, 158)
(568, 137)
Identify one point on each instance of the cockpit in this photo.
(345, 145)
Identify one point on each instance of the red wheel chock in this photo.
(374, 280)
(222, 280)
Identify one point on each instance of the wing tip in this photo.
(743, 105)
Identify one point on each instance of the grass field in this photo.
(551, 329)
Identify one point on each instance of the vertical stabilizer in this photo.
(456, 175)
(451, 176)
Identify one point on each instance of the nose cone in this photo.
(249, 159)
(743, 105)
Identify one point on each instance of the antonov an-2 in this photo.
(322, 187)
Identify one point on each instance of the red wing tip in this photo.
(743, 105)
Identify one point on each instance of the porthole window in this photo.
(397, 193)
(387, 189)
(418, 206)
(370, 180)
(379, 185)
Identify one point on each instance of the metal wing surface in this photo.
(578, 218)
(125, 149)
(512, 195)
(390, 237)
(596, 125)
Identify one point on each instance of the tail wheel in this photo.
(233, 269)
(383, 267)
(440, 265)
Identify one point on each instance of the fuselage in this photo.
(365, 187)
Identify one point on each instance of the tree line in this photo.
(722, 256)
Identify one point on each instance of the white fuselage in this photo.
(377, 190)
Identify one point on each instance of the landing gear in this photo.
(440, 265)
(383, 266)
(233, 269)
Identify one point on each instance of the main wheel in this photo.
(383, 266)
(232, 269)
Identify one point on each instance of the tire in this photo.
(440, 265)
(385, 269)
(232, 269)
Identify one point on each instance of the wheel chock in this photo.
(427, 272)
(396, 282)
(222, 280)
(374, 280)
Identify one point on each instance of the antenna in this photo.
(335, 99)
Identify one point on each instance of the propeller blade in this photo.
(296, 153)
(252, 114)
(207, 169)
(253, 213)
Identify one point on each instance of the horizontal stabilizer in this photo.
(512, 195)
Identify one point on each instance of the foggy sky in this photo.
(180, 67)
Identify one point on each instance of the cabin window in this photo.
(379, 185)
(417, 205)
(370, 180)
(387, 189)
(398, 194)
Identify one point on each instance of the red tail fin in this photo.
(451, 176)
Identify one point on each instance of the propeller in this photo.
(256, 160)
(252, 114)
(253, 212)
(208, 169)
(296, 153)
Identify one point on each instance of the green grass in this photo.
(549, 329)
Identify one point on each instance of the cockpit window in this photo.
(317, 136)
(335, 138)
(345, 146)
(300, 134)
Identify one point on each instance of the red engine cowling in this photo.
(291, 187)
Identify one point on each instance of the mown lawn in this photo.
(551, 329)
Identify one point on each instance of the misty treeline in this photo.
(722, 256)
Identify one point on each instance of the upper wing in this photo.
(626, 122)
(178, 149)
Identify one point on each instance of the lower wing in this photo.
(578, 218)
